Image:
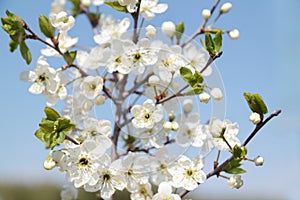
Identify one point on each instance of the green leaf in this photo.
(197, 89)
(64, 124)
(209, 43)
(198, 77)
(69, 57)
(116, 5)
(239, 152)
(46, 27)
(40, 134)
(47, 126)
(51, 114)
(236, 171)
(25, 52)
(76, 7)
(256, 103)
(186, 74)
(13, 45)
(179, 31)
(218, 41)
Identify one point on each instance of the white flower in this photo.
(146, 116)
(98, 2)
(83, 163)
(187, 105)
(62, 21)
(165, 192)
(150, 31)
(57, 6)
(254, 118)
(69, 192)
(110, 179)
(153, 80)
(97, 57)
(186, 133)
(111, 30)
(225, 8)
(143, 192)
(43, 78)
(259, 161)
(204, 97)
(235, 181)
(94, 127)
(168, 28)
(91, 86)
(224, 129)
(203, 138)
(234, 34)
(150, 7)
(187, 174)
(86, 3)
(216, 93)
(61, 91)
(206, 14)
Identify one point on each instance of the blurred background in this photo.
(265, 59)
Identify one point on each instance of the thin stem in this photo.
(135, 17)
(219, 168)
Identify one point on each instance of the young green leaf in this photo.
(116, 5)
(209, 44)
(51, 114)
(256, 103)
(13, 45)
(236, 171)
(179, 31)
(239, 152)
(46, 27)
(25, 52)
(69, 57)
(218, 41)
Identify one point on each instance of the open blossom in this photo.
(147, 115)
(62, 21)
(94, 127)
(111, 30)
(143, 192)
(42, 77)
(186, 134)
(61, 91)
(91, 86)
(165, 192)
(150, 7)
(187, 174)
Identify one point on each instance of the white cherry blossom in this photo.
(150, 7)
(165, 192)
(91, 86)
(62, 21)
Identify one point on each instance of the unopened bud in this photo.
(204, 97)
(86, 3)
(175, 126)
(216, 93)
(225, 8)
(206, 14)
(234, 34)
(168, 28)
(235, 181)
(100, 99)
(150, 31)
(259, 161)
(254, 118)
(88, 105)
(168, 126)
(153, 80)
(49, 163)
(187, 105)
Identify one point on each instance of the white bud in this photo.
(216, 93)
(168, 126)
(49, 163)
(225, 8)
(259, 161)
(234, 34)
(254, 118)
(153, 80)
(98, 2)
(100, 99)
(150, 31)
(175, 126)
(204, 97)
(168, 28)
(86, 3)
(235, 181)
(88, 105)
(187, 105)
(206, 14)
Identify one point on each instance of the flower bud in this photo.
(171, 117)
(168, 126)
(153, 80)
(204, 97)
(234, 34)
(100, 100)
(168, 28)
(254, 118)
(49, 163)
(175, 126)
(225, 8)
(187, 105)
(86, 3)
(88, 105)
(216, 93)
(235, 181)
(259, 161)
(206, 14)
(150, 31)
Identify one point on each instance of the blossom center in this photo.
(83, 162)
(189, 173)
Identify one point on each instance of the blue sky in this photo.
(265, 60)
